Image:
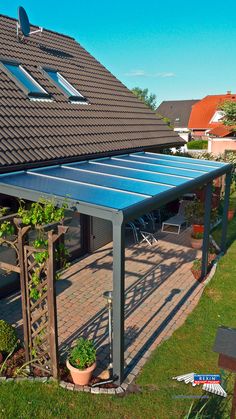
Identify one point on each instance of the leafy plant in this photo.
(192, 414)
(194, 212)
(3, 211)
(6, 229)
(8, 338)
(197, 236)
(42, 212)
(83, 355)
(4, 364)
(197, 265)
(40, 242)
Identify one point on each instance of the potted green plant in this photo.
(81, 361)
(194, 214)
(196, 240)
(196, 268)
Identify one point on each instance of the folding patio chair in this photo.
(174, 224)
(131, 226)
(148, 237)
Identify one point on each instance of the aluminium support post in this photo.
(118, 299)
(207, 223)
(225, 212)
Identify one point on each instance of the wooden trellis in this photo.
(39, 311)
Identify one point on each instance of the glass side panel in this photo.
(24, 78)
(63, 83)
(73, 236)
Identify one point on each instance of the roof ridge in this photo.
(45, 29)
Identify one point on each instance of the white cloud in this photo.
(142, 73)
(164, 75)
(136, 73)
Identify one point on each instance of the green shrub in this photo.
(197, 145)
(83, 355)
(8, 338)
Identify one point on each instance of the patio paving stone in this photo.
(160, 292)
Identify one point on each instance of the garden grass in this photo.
(188, 350)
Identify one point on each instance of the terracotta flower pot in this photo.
(198, 228)
(196, 243)
(81, 377)
(231, 214)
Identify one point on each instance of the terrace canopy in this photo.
(119, 189)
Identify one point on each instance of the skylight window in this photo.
(72, 94)
(30, 86)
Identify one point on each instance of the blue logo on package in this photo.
(207, 379)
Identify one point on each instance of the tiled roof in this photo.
(178, 111)
(34, 132)
(222, 131)
(204, 110)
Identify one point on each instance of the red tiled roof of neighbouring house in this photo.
(204, 110)
(221, 131)
(35, 132)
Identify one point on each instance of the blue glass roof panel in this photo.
(105, 181)
(128, 162)
(115, 183)
(203, 162)
(79, 192)
(98, 166)
(171, 163)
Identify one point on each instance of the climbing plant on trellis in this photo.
(36, 265)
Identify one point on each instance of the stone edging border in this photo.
(67, 386)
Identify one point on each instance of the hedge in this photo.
(197, 145)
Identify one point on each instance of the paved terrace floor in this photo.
(160, 293)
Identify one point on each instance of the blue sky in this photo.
(178, 49)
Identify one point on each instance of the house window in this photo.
(217, 117)
(30, 86)
(66, 87)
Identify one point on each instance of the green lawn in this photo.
(188, 350)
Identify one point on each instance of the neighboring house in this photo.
(178, 113)
(206, 116)
(58, 104)
(222, 138)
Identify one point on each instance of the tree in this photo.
(148, 98)
(229, 109)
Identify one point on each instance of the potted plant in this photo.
(196, 268)
(196, 240)
(82, 361)
(194, 214)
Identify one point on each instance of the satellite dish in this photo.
(23, 21)
(23, 24)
